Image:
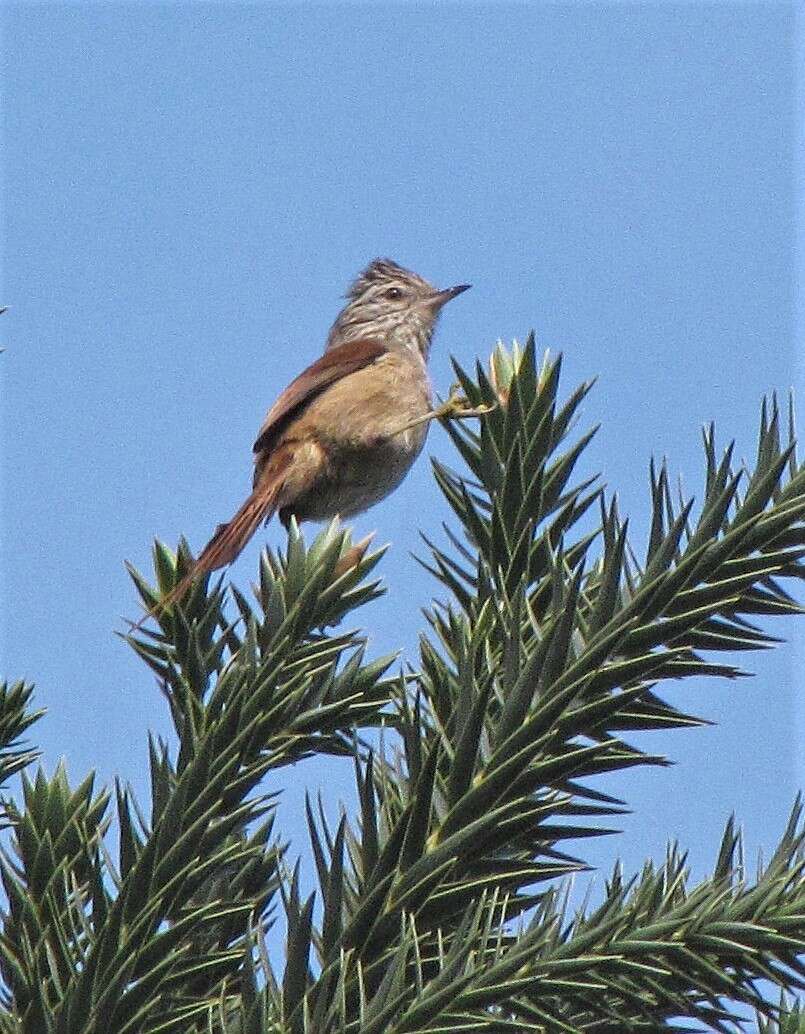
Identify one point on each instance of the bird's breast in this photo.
(361, 422)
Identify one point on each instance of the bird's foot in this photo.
(455, 407)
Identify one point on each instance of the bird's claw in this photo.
(457, 407)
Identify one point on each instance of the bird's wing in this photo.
(332, 366)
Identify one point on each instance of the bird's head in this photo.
(393, 304)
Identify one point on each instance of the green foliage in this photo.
(442, 905)
(788, 1021)
(16, 718)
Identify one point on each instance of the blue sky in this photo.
(188, 189)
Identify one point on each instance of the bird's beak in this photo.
(440, 298)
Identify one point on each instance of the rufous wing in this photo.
(332, 366)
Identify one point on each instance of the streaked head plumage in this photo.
(390, 302)
(385, 273)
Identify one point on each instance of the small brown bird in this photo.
(346, 431)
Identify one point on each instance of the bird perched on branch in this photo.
(346, 431)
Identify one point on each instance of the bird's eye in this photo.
(394, 294)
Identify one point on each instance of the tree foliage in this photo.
(442, 904)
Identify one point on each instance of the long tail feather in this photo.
(230, 539)
(226, 544)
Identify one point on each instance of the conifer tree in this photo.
(441, 904)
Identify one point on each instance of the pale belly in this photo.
(368, 454)
(360, 477)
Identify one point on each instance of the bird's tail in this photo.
(226, 544)
(230, 539)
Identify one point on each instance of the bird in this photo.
(347, 430)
